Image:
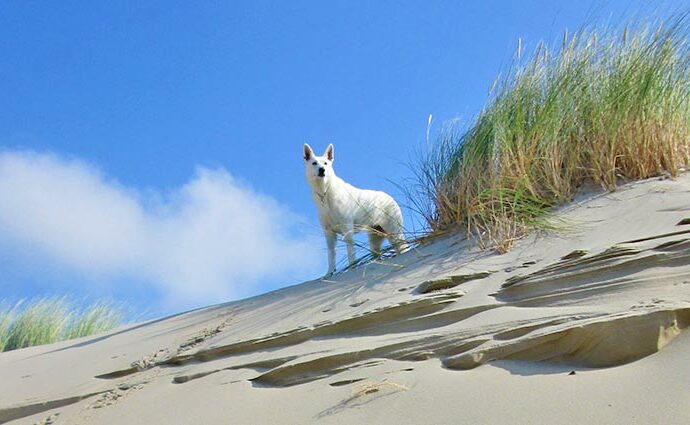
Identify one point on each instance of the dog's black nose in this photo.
(322, 172)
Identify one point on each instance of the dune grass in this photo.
(47, 320)
(602, 107)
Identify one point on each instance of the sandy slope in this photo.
(582, 326)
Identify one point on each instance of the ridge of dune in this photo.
(557, 330)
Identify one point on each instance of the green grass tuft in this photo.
(97, 318)
(48, 320)
(603, 106)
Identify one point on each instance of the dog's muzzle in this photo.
(322, 172)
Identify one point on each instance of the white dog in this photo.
(344, 209)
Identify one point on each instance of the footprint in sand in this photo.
(48, 420)
(364, 393)
(521, 266)
(111, 397)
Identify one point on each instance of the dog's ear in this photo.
(329, 152)
(308, 153)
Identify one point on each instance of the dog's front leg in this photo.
(331, 240)
(350, 247)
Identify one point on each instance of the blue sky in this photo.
(131, 132)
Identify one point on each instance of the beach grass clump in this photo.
(601, 107)
(96, 318)
(48, 320)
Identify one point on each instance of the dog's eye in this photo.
(326, 163)
(313, 163)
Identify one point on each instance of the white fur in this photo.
(344, 209)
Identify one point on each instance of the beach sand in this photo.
(583, 324)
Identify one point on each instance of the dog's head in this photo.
(318, 167)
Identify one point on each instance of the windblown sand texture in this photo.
(583, 325)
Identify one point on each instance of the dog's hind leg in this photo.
(376, 237)
(331, 240)
(399, 244)
(395, 237)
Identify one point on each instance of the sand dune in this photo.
(580, 325)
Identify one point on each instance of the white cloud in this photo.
(210, 240)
